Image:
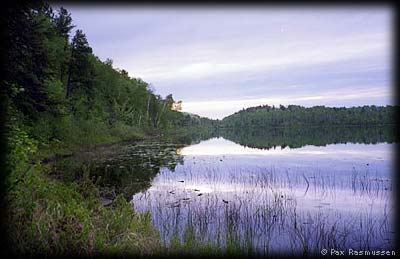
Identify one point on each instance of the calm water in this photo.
(265, 191)
(274, 200)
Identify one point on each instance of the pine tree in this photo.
(63, 23)
(80, 67)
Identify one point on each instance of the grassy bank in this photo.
(51, 216)
(77, 134)
(47, 216)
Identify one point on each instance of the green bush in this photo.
(50, 217)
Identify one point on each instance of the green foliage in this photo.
(63, 97)
(54, 90)
(63, 22)
(49, 217)
(191, 245)
(68, 94)
(21, 146)
(294, 115)
(51, 214)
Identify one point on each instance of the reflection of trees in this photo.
(295, 137)
(194, 135)
(132, 168)
(128, 168)
(124, 169)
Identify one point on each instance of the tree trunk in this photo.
(160, 114)
(148, 108)
(69, 85)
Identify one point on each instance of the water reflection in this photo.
(295, 137)
(221, 146)
(123, 169)
(277, 200)
(262, 191)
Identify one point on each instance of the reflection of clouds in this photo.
(328, 193)
(203, 188)
(263, 189)
(344, 200)
(221, 146)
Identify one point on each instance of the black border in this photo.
(5, 245)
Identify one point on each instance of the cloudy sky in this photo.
(220, 60)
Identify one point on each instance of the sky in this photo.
(221, 60)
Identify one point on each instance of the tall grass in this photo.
(53, 218)
(264, 212)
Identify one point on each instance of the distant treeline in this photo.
(57, 89)
(295, 115)
(295, 137)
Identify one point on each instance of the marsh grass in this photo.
(50, 217)
(257, 212)
(269, 218)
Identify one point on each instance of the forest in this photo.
(58, 97)
(295, 115)
(59, 90)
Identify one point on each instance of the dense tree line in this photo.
(59, 90)
(57, 96)
(295, 115)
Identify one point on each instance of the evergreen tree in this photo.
(63, 23)
(79, 76)
(26, 58)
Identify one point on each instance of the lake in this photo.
(272, 191)
(275, 200)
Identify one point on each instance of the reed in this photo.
(261, 214)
